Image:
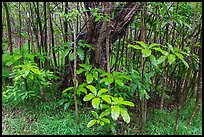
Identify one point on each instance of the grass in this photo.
(41, 120)
(46, 119)
(162, 122)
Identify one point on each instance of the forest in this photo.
(102, 68)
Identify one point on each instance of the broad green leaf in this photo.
(161, 59)
(105, 74)
(71, 56)
(104, 113)
(107, 80)
(80, 53)
(101, 91)
(92, 89)
(85, 66)
(105, 120)
(115, 100)
(128, 103)
(142, 44)
(180, 51)
(153, 45)
(185, 63)
(106, 98)
(26, 72)
(115, 112)
(102, 123)
(95, 102)
(125, 115)
(9, 63)
(67, 89)
(66, 51)
(119, 82)
(89, 78)
(170, 47)
(80, 71)
(171, 58)
(88, 97)
(82, 89)
(98, 121)
(36, 71)
(146, 53)
(179, 55)
(17, 57)
(162, 51)
(66, 106)
(134, 46)
(95, 74)
(94, 114)
(91, 123)
(126, 77)
(153, 60)
(30, 76)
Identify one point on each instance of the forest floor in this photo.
(45, 118)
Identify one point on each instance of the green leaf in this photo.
(95, 74)
(119, 82)
(95, 102)
(30, 76)
(9, 63)
(146, 53)
(106, 98)
(115, 112)
(153, 60)
(185, 63)
(17, 57)
(85, 66)
(153, 45)
(67, 89)
(92, 89)
(104, 113)
(107, 80)
(91, 123)
(162, 51)
(134, 46)
(26, 72)
(125, 115)
(170, 47)
(101, 123)
(66, 106)
(66, 51)
(82, 89)
(94, 114)
(171, 58)
(71, 56)
(101, 91)
(128, 103)
(80, 53)
(89, 78)
(36, 71)
(161, 59)
(88, 97)
(80, 71)
(180, 51)
(142, 44)
(105, 120)
(179, 55)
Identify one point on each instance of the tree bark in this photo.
(8, 27)
(96, 30)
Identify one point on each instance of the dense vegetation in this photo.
(102, 68)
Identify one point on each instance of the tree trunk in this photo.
(8, 27)
(143, 38)
(96, 30)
